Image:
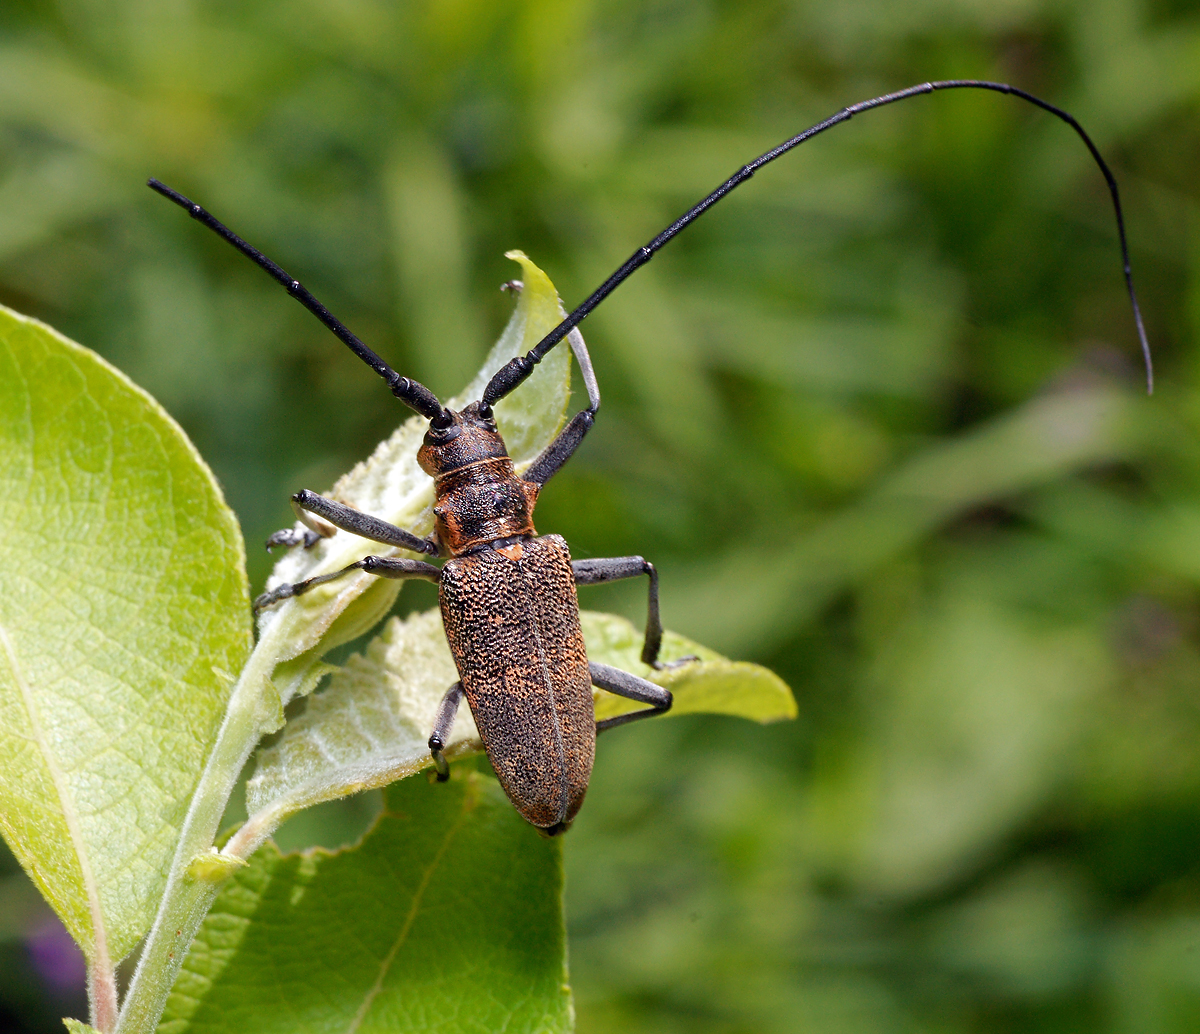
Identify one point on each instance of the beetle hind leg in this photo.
(447, 712)
(632, 688)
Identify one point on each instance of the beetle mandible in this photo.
(507, 595)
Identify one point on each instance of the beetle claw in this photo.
(436, 747)
(691, 658)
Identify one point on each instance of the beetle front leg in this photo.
(314, 530)
(447, 712)
(322, 517)
(384, 567)
(632, 688)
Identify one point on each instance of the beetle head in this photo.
(468, 438)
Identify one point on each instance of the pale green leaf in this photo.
(390, 485)
(371, 725)
(447, 917)
(79, 1027)
(124, 608)
(713, 686)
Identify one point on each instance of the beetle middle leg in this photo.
(613, 569)
(632, 688)
(384, 567)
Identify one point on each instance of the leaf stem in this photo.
(188, 896)
(102, 994)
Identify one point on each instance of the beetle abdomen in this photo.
(512, 620)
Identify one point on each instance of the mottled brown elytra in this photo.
(507, 594)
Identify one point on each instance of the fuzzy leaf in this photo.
(447, 917)
(124, 603)
(390, 485)
(371, 725)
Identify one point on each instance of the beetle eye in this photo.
(440, 435)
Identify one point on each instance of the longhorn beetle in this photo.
(507, 595)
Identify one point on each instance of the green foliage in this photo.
(116, 677)
(123, 613)
(711, 685)
(446, 917)
(890, 296)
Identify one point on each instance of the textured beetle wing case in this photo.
(513, 628)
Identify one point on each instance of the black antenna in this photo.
(411, 393)
(516, 370)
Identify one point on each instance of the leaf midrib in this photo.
(418, 896)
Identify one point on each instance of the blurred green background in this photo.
(876, 418)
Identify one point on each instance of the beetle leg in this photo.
(612, 569)
(310, 507)
(633, 688)
(447, 712)
(290, 538)
(384, 567)
(559, 451)
(315, 529)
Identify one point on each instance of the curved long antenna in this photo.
(516, 370)
(411, 393)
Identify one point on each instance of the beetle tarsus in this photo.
(691, 658)
(292, 537)
(268, 599)
(446, 713)
(439, 759)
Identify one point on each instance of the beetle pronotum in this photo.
(507, 595)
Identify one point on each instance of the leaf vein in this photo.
(414, 908)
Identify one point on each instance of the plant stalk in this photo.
(187, 898)
(102, 994)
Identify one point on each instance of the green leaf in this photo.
(713, 686)
(447, 917)
(390, 485)
(371, 725)
(286, 661)
(124, 607)
(79, 1027)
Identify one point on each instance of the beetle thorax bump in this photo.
(480, 499)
